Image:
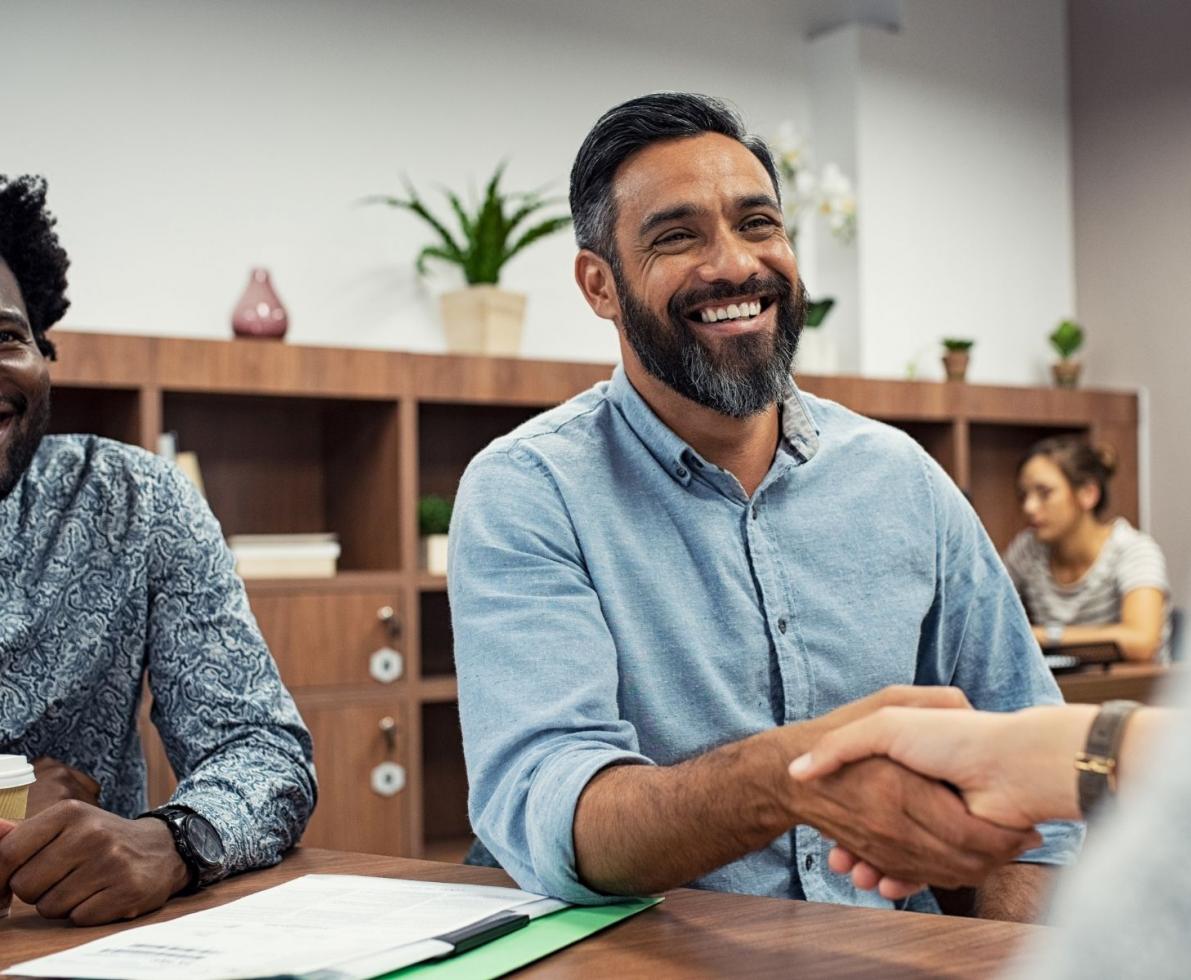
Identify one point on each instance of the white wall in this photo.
(964, 177)
(1131, 140)
(186, 142)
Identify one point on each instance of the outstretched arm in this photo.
(642, 829)
(1013, 769)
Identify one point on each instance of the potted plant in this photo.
(1067, 338)
(956, 354)
(434, 519)
(483, 318)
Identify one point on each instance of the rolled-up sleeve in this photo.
(977, 636)
(537, 669)
(243, 757)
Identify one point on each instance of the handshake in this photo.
(916, 788)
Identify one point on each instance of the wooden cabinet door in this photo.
(324, 639)
(360, 807)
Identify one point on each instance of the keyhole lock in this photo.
(386, 665)
(388, 779)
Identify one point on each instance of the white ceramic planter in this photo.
(483, 320)
(434, 554)
(817, 353)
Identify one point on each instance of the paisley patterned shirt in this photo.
(112, 568)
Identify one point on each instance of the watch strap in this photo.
(175, 816)
(1097, 763)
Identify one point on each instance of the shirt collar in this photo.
(801, 434)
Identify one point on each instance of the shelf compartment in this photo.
(450, 435)
(444, 778)
(113, 413)
(996, 451)
(281, 465)
(438, 643)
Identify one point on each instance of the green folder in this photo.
(540, 938)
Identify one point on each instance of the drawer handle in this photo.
(388, 729)
(388, 619)
(386, 665)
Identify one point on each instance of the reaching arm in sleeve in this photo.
(977, 637)
(230, 729)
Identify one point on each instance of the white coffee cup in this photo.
(16, 776)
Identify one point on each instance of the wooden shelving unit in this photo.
(299, 439)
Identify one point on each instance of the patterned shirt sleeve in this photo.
(232, 733)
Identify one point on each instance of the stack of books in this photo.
(285, 555)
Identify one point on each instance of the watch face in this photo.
(204, 840)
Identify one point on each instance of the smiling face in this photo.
(24, 385)
(1053, 507)
(707, 290)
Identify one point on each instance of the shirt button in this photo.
(754, 513)
(781, 626)
(810, 861)
(681, 473)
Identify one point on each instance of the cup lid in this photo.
(15, 771)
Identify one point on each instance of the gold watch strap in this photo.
(1097, 763)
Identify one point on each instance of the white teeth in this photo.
(733, 311)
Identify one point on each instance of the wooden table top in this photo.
(1135, 682)
(691, 934)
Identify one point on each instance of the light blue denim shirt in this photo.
(617, 599)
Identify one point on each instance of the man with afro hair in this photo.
(113, 569)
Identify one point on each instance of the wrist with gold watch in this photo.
(1097, 764)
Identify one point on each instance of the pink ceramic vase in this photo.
(259, 312)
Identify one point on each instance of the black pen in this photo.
(478, 933)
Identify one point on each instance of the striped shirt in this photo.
(1129, 559)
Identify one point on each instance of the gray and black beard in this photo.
(29, 428)
(746, 374)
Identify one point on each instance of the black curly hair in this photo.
(30, 246)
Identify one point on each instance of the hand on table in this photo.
(56, 781)
(905, 822)
(75, 861)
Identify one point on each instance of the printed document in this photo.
(329, 927)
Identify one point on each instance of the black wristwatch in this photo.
(198, 843)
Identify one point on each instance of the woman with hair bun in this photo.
(1085, 579)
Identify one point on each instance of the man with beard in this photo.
(665, 589)
(113, 569)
